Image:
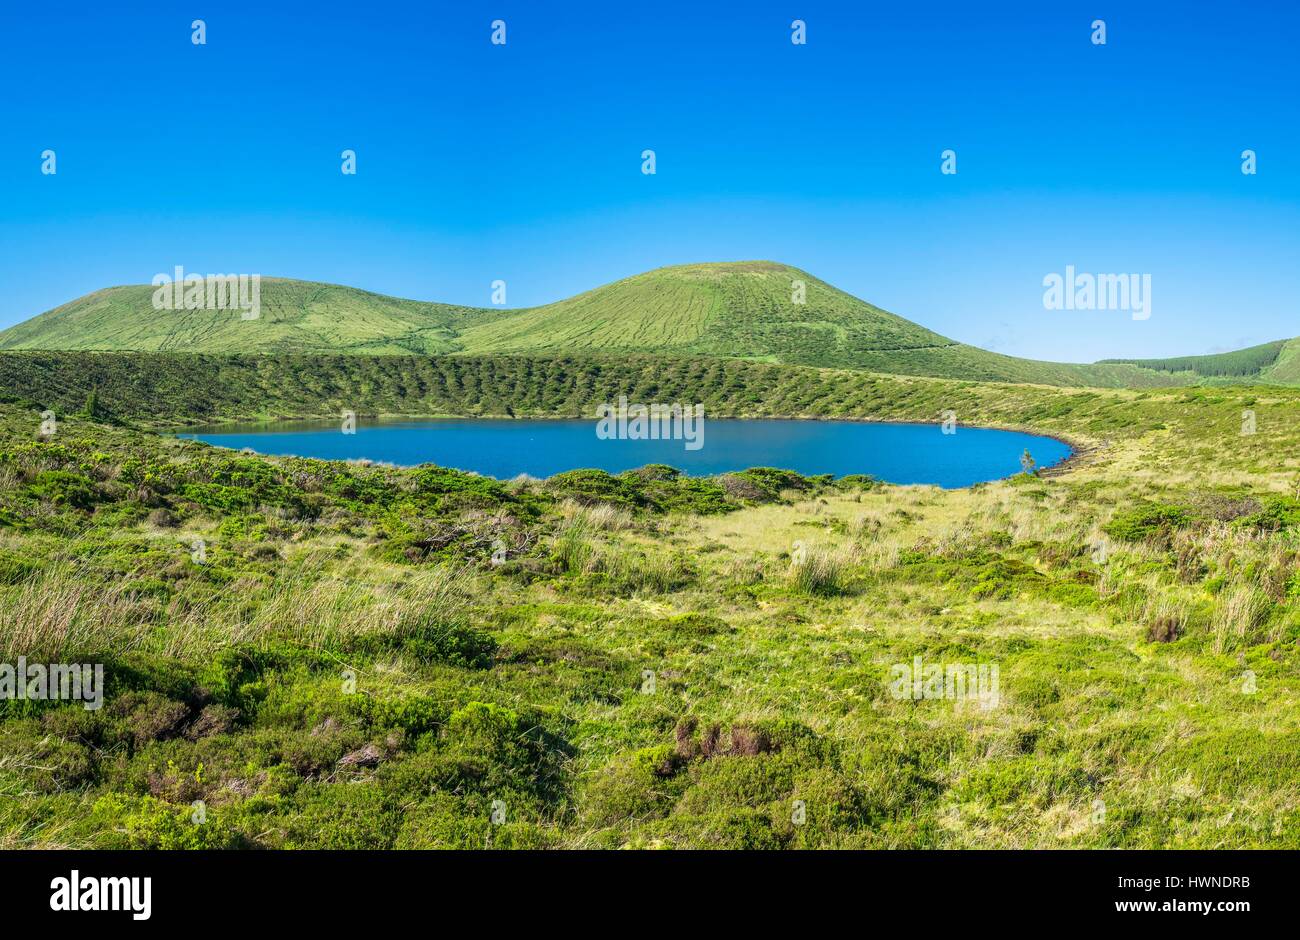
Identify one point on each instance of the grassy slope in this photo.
(296, 316)
(745, 310)
(183, 388)
(741, 310)
(1285, 370)
(524, 683)
(1255, 362)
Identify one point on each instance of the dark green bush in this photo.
(590, 487)
(431, 640)
(14, 568)
(64, 487)
(1148, 521)
(1275, 514)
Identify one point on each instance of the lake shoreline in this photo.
(1075, 450)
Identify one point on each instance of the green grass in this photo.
(655, 663)
(296, 316)
(185, 388)
(1240, 363)
(743, 310)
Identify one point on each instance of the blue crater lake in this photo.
(505, 448)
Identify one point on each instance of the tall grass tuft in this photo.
(1165, 618)
(60, 615)
(816, 569)
(338, 614)
(602, 517)
(1243, 608)
(573, 547)
(644, 572)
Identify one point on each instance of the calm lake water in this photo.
(895, 453)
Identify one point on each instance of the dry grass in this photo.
(601, 517)
(57, 616)
(819, 569)
(1165, 618)
(1242, 609)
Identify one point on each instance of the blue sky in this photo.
(478, 162)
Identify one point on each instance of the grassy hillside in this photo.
(742, 309)
(1254, 362)
(746, 310)
(1285, 370)
(172, 389)
(296, 316)
(736, 310)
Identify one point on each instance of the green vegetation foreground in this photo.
(308, 654)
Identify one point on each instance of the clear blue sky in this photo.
(522, 162)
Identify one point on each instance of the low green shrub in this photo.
(1148, 522)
